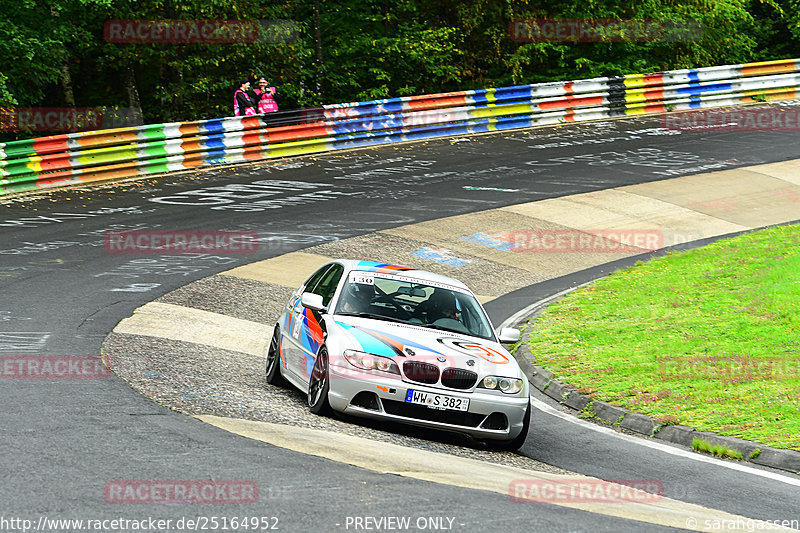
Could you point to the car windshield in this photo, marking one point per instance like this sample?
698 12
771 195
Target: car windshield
388 297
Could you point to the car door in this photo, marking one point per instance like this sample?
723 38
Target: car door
312 330
294 359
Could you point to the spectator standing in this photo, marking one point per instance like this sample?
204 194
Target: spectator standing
243 104
266 96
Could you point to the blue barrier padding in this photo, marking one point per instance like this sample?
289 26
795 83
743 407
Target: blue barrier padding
213 126
519 91
699 89
214 154
480 99
214 141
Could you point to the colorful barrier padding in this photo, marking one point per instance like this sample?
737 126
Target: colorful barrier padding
83 157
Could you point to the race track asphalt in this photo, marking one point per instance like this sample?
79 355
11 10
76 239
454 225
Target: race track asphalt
63 293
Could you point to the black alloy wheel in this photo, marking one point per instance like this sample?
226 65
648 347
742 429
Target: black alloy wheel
273 372
319 385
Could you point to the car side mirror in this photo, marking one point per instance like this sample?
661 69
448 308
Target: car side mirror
312 301
509 335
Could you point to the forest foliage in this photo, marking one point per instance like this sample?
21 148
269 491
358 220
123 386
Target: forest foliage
55 53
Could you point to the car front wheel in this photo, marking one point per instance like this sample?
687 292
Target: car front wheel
319 385
517 442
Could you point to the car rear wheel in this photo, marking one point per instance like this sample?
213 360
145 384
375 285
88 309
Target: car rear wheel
319 385
273 371
517 442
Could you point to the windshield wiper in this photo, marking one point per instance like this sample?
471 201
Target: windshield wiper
443 328
451 330
376 316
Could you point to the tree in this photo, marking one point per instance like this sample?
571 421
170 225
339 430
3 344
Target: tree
55 53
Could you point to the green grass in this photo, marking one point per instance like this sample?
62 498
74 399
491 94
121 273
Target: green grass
708 338
718 450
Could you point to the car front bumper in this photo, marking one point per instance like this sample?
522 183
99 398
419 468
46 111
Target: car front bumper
350 393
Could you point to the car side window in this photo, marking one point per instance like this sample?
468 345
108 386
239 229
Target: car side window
314 279
327 285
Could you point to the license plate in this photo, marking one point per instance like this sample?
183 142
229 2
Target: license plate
437 401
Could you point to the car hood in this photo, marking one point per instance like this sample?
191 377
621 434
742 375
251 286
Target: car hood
411 342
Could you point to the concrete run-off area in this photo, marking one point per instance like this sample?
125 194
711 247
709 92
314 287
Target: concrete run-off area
201 349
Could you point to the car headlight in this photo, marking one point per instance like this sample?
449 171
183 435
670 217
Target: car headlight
368 361
506 385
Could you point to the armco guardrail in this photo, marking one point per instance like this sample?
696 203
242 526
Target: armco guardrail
113 154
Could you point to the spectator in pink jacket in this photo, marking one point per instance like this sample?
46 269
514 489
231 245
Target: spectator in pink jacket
243 104
266 96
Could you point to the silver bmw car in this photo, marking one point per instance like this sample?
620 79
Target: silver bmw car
392 343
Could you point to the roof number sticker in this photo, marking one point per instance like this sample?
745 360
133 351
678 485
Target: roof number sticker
363 278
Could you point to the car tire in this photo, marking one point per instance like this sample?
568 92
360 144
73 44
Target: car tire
517 442
273 371
319 384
